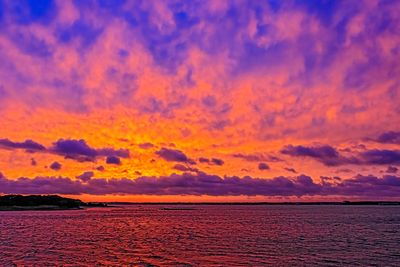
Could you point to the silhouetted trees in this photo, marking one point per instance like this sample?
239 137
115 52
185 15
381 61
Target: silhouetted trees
40 200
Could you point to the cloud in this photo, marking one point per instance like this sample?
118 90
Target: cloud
325 154
314 152
86 176
390 137
183 168
113 160
331 157
173 155
123 153
391 169
41 185
218 162
212 161
256 157
204 160
146 145
69 148
377 156
209 101
55 166
72 148
290 170
27 144
100 168
81 151
205 184
263 166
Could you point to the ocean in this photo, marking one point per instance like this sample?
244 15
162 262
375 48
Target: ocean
203 235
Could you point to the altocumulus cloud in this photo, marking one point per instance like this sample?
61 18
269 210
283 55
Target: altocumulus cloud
204 184
329 156
80 150
55 166
69 148
173 155
325 154
263 166
113 160
390 137
27 144
86 176
212 161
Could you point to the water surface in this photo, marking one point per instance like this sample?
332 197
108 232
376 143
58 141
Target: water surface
204 235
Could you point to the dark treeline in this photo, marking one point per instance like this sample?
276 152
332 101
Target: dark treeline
381 203
40 200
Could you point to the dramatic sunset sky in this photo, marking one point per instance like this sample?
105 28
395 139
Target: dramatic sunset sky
200 100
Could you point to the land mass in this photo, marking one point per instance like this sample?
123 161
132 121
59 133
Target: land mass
344 203
42 202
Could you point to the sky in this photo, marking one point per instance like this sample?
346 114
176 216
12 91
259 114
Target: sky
200 100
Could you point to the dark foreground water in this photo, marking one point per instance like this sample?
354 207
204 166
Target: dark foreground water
206 236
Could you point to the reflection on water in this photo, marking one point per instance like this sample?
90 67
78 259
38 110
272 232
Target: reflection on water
203 236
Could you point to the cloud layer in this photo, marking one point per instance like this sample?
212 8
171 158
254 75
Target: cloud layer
204 184
69 148
331 157
27 144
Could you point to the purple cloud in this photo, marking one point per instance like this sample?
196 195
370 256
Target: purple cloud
314 152
390 137
100 168
391 169
27 144
209 101
123 153
290 170
204 160
69 148
81 151
212 161
172 155
74 148
183 168
113 160
218 162
40 185
263 166
55 166
256 157
331 157
204 184
86 176
325 154
377 156
146 145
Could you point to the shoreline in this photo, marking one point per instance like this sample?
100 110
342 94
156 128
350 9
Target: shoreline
344 203
36 208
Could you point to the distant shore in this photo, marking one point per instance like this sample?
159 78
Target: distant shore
343 203
43 203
